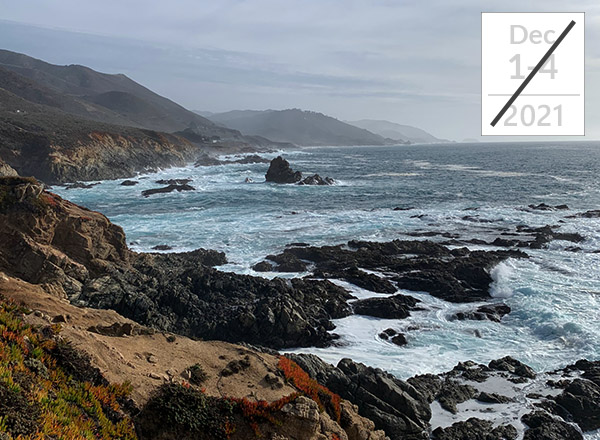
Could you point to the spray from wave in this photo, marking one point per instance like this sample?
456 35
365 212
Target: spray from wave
502 274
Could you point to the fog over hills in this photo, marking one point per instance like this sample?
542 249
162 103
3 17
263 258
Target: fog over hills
397 131
103 97
305 128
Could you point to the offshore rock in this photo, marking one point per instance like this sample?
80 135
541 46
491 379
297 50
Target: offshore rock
280 172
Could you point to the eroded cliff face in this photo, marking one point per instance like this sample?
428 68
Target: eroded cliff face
100 155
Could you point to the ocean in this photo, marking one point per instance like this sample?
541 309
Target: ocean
474 190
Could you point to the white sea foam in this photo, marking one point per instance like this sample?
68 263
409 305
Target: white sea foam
501 274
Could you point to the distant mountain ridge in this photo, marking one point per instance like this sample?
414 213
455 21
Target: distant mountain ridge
395 131
300 127
111 98
67 123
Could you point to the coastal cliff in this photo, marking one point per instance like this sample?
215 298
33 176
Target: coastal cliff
52 253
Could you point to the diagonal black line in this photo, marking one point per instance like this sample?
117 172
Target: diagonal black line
533 72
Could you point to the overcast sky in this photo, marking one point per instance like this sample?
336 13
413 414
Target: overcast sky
413 62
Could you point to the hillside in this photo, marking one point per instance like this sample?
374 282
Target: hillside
299 127
37 140
103 97
397 131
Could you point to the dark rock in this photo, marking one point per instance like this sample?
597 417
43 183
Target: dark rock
280 172
542 426
299 244
588 214
168 189
546 234
366 280
545 207
452 393
478 429
288 262
61 319
491 312
129 182
162 247
399 340
457 275
81 185
503 242
399 208
384 336
315 179
393 405
493 398
390 332
263 266
392 307
541 207
173 181
512 366
581 398
474 219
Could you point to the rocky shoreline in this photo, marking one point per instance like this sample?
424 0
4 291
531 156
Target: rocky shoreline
79 256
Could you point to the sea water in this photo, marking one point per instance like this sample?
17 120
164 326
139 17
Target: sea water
474 190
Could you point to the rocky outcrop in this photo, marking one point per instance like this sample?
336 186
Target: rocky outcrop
80 255
456 275
6 170
393 405
280 172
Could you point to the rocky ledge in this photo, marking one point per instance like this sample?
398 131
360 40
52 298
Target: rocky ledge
503 400
456 275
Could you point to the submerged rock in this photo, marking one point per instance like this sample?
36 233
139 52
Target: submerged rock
129 182
544 207
168 189
173 181
588 214
491 312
